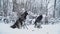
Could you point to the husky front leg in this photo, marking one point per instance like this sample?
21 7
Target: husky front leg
13 26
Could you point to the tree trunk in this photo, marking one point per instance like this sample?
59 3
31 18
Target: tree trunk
54 9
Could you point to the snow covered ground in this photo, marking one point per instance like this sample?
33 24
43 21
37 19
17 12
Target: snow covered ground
47 29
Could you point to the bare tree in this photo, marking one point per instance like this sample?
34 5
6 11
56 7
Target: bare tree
46 18
14 5
0 3
5 7
54 8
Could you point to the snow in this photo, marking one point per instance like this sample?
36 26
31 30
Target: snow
47 29
13 16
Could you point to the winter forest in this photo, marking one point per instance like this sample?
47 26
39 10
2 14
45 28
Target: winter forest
38 16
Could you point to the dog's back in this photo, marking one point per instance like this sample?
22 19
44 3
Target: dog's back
39 18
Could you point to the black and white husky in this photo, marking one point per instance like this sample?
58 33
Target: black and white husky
19 22
38 21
